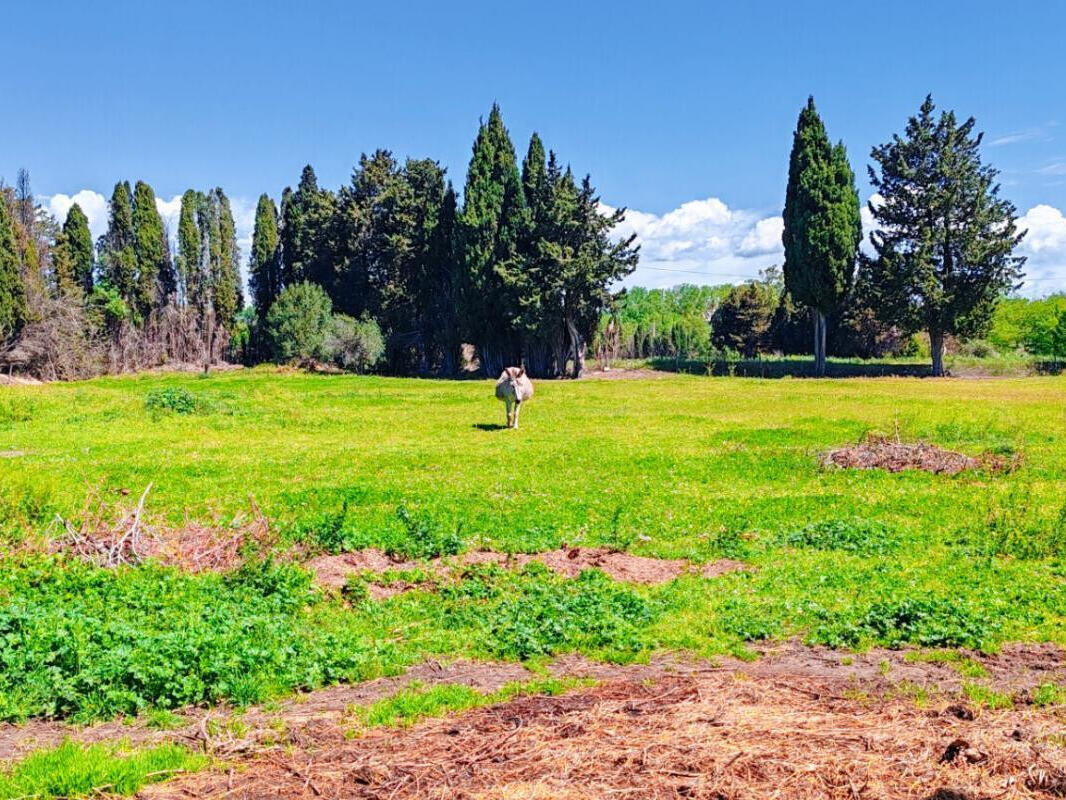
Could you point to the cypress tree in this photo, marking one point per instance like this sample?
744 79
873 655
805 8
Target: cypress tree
225 261
156 281
78 242
117 245
945 239
192 286
12 290
822 227
307 222
492 224
264 267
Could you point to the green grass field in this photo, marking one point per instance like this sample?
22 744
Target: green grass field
683 466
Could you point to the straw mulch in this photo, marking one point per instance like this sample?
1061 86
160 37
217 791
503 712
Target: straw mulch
711 735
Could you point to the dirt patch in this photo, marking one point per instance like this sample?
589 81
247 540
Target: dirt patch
882 452
12 453
335 570
642 373
706 734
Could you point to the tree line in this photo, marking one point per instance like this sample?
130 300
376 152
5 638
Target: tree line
392 266
397 270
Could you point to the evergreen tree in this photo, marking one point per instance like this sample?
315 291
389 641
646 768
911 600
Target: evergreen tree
944 248
306 233
822 227
192 286
156 281
78 242
12 289
264 262
117 255
225 265
492 224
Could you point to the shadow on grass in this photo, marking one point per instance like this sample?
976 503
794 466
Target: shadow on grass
791 368
489 426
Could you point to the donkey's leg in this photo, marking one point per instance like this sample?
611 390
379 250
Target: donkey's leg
508 402
517 408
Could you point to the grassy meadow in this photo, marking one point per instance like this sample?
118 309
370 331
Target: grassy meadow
681 467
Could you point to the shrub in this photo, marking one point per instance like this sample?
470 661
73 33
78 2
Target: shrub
353 344
170 398
742 320
298 321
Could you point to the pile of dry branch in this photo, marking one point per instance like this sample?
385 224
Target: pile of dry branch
889 453
132 539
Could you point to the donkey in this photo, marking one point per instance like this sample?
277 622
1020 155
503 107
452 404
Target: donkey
513 387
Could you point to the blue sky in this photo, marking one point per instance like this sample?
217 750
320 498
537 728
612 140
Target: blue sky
682 112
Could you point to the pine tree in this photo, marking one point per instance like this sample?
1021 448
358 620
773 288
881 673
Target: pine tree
944 248
156 281
116 247
822 227
492 225
78 242
264 262
12 290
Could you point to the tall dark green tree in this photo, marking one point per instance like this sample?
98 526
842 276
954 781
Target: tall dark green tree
116 248
945 239
492 225
307 223
822 227
264 262
78 242
12 290
192 284
225 276
156 279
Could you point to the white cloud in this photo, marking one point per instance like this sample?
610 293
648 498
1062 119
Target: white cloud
92 203
1045 247
170 211
702 241
764 238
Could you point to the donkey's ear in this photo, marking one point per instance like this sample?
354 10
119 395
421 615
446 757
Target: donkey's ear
521 372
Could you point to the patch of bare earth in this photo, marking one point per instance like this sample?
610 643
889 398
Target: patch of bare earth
796 724
335 570
614 374
883 452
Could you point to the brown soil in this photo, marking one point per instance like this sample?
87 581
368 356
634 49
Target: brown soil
797 724
334 571
877 452
614 374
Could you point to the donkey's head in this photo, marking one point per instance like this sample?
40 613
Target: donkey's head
514 377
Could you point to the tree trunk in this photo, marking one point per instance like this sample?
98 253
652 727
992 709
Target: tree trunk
936 345
819 343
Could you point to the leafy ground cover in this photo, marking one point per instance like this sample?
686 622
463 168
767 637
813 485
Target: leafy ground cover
677 467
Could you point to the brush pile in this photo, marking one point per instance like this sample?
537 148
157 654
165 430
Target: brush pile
876 451
132 539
